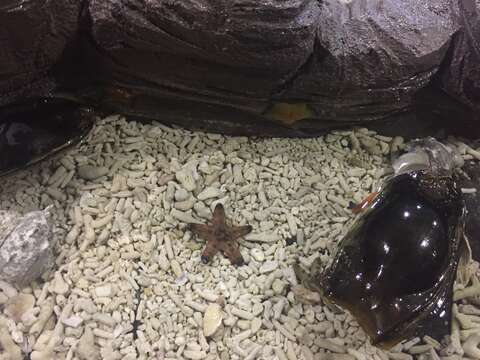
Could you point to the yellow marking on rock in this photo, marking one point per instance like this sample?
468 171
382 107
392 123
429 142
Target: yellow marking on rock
290 113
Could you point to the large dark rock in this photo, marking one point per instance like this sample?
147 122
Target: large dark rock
33 36
275 67
460 74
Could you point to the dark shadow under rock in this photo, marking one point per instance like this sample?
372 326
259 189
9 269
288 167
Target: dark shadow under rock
30 132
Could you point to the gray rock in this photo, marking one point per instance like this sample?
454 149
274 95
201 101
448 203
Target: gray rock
26 244
89 172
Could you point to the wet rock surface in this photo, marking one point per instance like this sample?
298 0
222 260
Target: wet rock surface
29 55
276 68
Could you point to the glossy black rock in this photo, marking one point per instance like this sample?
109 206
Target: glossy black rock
33 131
394 270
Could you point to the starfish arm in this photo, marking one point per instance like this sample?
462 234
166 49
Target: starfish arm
239 231
201 230
209 252
232 252
218 215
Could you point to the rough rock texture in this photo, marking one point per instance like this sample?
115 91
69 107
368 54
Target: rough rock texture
238 52
472 201
345 61
25 246
33 35
270 67
372 57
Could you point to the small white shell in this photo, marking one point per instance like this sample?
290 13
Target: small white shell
185 177
19 305
268 266
209 193
212 319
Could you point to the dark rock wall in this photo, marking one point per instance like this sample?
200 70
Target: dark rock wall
235 52
300 64
373 56
33 36
460 74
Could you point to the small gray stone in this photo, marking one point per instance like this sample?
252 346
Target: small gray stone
86 348
209 193
26 244
202 210
185 177
278 286
268 266
89 172
257 254
181 195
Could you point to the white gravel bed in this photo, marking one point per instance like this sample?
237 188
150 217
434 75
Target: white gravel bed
129 283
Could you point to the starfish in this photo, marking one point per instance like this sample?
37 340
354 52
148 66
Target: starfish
220 237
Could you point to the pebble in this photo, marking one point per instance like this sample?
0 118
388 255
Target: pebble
86 348
329 345
253 354
280 353
284 331
184 217
185 178
26 245
278 286
185 205
3 299
195 355
212 319
268 266
263 237
255 325
89 172
202 210
176 268
181 194
10 350
59 285
103 291
305 295
290 351
242 313
73 321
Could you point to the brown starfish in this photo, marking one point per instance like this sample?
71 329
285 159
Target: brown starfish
220 237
